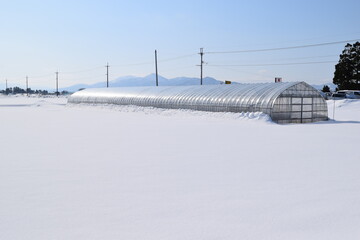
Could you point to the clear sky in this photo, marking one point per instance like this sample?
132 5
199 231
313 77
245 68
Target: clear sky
78 38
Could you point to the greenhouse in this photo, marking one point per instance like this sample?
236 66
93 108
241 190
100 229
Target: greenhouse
295 102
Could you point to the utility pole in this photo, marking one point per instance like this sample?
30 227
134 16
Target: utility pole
156 69
27 86
57 83
107 75
201 65
334 110
6 89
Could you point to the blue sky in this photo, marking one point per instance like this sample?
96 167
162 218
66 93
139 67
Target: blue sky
78 38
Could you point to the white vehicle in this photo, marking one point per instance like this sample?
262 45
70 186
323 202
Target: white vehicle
351 94
338 95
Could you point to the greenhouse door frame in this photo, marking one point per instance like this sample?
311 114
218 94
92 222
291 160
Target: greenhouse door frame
302 108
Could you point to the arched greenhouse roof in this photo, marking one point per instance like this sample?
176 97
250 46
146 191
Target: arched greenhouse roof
258 97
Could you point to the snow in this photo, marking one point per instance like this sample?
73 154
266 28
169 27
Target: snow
124 172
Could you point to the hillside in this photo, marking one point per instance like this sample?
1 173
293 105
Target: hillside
150 80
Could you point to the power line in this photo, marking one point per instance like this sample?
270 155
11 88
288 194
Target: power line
281 42
242 71
164 60
80 71
41 76
176 58
282 59
284 48
324 56
268 64
82 78
298 58
220 65
177 68
133 64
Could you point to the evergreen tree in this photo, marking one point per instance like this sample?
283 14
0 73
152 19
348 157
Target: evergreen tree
326 88
347 71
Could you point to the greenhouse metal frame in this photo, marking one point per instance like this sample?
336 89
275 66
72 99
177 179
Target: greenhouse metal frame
295 102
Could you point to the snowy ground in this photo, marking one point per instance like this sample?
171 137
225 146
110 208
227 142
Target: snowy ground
80 172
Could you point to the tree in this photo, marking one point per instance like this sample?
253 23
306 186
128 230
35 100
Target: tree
347 71
326 88
18 90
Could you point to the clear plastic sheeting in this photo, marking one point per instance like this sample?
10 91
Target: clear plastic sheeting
284 102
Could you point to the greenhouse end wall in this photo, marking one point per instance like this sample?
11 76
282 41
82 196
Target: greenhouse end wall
284 102
300 103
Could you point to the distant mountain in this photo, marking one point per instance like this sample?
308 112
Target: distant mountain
150 80
320 86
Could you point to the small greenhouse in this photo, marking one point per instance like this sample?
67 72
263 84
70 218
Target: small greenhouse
295 102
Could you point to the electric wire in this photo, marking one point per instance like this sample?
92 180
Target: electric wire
37 77
177 68
152 62
246 72
176 58
41 76
297 58
282 48
86 70
131 64
284 59
268 64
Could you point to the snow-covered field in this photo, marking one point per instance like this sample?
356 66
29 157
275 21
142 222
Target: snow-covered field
85 172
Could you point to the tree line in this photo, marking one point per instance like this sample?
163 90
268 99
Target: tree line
18 90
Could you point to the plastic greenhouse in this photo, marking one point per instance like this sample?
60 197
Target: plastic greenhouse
295 102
